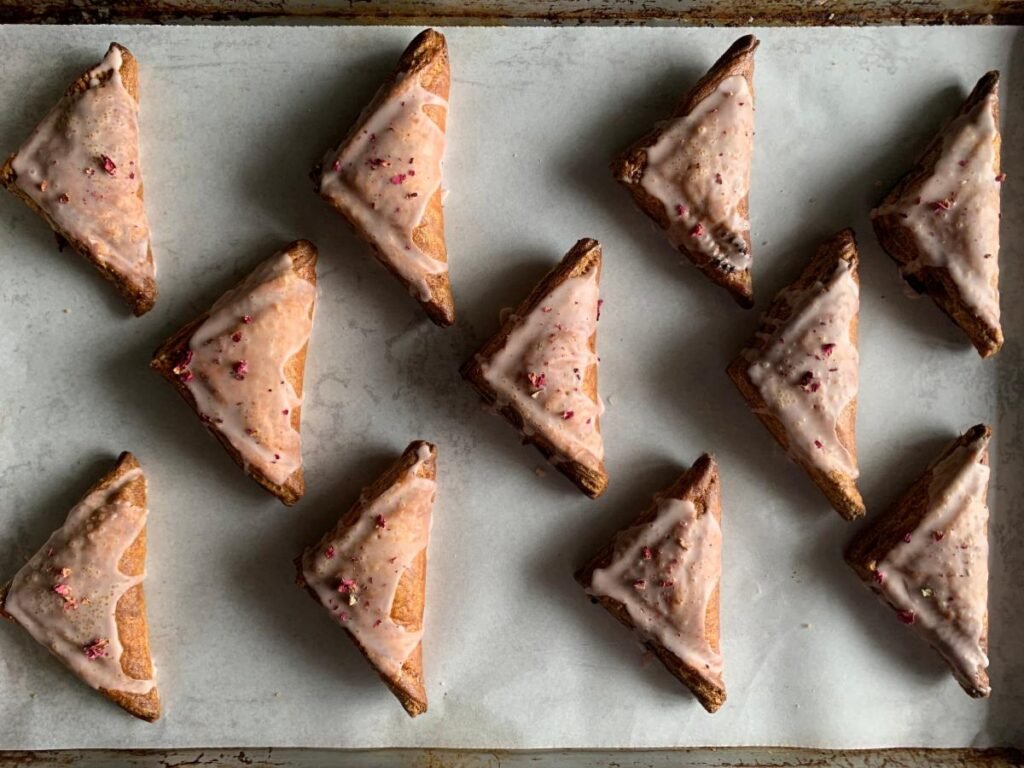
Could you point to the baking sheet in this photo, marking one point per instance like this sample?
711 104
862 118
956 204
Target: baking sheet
515 656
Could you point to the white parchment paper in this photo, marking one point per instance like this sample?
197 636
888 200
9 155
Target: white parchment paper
233 118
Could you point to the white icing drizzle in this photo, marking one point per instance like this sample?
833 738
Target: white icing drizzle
665 573
938 580
954 213
67 594
236 360
807 370
384 176
699 169
81 166
542 368
355 570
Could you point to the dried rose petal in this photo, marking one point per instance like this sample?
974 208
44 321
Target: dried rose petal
398 178
828 349
63 590
108 165
347 586
907 617
96 649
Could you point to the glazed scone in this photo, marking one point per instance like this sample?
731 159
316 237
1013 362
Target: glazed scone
660 577
370 572
691 174
940 223
927 558
539 370
799 373
80 170
81 597
240 366
385 176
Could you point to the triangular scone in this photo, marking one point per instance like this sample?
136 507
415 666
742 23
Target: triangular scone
941 221
799 373
81 595
928 558
539 370
691 174
385 176
370 571
660 577
240 366
80 171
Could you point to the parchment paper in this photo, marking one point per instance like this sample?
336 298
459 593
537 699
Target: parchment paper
233 118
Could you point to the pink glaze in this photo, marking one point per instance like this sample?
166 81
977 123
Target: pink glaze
67 594
81 167
542 367
384 176
665 573
699 169
235 366
807 371
355 570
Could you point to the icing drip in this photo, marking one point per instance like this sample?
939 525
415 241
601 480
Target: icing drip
938 580
954 213
355 570
699 169
665 573
67 594
544 364
81 166
385 175
807 369
236 363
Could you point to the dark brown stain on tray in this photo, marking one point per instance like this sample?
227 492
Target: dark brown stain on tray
490 12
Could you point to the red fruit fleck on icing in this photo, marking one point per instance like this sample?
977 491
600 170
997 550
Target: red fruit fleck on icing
808 383
277 457
640 584
942 205
336 166
697 231
240 369
378 162
1001 178
247 319
537 380
680 210
347 586
666 583
718 178
962 163
344 616
329 552
647 553
376 623
828 349
600 303
97 649
108 165
879 577
380 522
398 178
411 195
907 617
285 411
566 415
131 175
818 444
64 198
236 336
63 590
906 538
937 535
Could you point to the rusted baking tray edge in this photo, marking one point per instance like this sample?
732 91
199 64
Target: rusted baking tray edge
731 757
495 12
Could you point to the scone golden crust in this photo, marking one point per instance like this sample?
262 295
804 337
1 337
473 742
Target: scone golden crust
539 370
245 359
57 190
650 559
940 223
799 373
385 176
124 486
694 183
374 557
927 557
